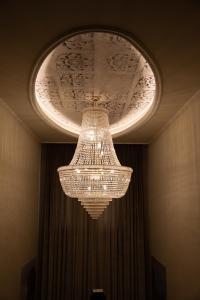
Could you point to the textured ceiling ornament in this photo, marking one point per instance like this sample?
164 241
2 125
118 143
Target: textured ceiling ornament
89 65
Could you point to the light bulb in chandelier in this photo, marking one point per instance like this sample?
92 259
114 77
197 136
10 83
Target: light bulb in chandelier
95 175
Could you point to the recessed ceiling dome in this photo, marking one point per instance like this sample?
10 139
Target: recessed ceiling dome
102 67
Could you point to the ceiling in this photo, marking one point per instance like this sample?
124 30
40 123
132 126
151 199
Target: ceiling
168 32
95 68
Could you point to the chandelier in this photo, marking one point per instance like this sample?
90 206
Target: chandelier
95 175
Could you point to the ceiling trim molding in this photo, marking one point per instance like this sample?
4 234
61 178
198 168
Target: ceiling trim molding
195 97
20 121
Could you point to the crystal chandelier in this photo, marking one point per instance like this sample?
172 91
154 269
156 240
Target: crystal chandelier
95 175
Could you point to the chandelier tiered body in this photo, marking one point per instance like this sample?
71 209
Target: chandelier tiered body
95 175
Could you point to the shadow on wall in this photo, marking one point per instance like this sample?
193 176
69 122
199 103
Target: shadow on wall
98 295
28 278
159 286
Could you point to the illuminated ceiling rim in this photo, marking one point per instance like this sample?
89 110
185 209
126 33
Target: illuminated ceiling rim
115 130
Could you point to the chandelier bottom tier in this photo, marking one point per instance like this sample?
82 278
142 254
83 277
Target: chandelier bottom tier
95 175
95 207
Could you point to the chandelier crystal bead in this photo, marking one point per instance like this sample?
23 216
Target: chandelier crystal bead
95 175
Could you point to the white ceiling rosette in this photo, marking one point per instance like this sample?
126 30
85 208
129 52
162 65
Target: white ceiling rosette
105 68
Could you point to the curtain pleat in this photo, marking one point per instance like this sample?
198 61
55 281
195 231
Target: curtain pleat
77 254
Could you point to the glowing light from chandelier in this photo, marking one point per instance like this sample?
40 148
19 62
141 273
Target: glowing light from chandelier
95 175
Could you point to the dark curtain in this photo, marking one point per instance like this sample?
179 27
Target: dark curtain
78 254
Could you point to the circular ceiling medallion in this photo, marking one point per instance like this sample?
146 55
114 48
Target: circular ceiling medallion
102 68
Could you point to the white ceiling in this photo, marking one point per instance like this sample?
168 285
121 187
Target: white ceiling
169 33
96 68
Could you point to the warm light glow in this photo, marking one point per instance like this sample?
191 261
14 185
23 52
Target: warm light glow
104 178
80 68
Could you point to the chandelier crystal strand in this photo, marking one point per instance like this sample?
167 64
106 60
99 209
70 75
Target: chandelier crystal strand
95 175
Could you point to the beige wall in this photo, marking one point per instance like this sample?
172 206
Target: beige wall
174 192
19 189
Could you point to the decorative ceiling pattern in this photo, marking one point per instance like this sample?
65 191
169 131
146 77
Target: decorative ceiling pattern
95 68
